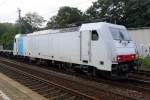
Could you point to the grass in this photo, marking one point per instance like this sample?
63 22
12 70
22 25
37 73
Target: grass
145 62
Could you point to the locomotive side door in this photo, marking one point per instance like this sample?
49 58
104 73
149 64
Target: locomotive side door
85 46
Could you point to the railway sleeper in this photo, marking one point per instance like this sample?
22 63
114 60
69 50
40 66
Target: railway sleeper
28 79
56 95
37 85
24 80
71 98
52 93
31 80
28 84
39 88
68 96
43 91
59 97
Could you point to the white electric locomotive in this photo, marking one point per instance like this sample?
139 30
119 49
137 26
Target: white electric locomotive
93 47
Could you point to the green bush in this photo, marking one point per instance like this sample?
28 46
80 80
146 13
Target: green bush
145 62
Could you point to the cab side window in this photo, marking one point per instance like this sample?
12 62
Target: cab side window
95 35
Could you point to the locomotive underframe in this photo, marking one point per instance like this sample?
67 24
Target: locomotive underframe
121 70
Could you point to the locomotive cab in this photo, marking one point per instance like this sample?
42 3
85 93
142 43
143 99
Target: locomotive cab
111 49
124 58
121 50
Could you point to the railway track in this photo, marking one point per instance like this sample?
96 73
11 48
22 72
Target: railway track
97 93
140 75
50 90
142 72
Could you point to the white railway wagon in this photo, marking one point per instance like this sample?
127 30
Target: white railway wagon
103 46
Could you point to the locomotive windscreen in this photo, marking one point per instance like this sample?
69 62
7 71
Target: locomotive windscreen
120 34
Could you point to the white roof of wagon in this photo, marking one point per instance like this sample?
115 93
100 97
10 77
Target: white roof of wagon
20 35
43 32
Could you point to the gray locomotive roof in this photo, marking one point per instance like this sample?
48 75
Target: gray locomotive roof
72 29
86 26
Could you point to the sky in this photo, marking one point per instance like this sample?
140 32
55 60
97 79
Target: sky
45 8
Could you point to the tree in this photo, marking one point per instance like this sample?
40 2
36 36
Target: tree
66 15
137 13
131 13
5 27
30 22
110 10
7 34
7 40
52 23
24 27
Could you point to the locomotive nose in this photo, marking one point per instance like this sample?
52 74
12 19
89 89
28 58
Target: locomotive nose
125 50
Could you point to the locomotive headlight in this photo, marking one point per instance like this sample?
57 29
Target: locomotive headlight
133 56
118 58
